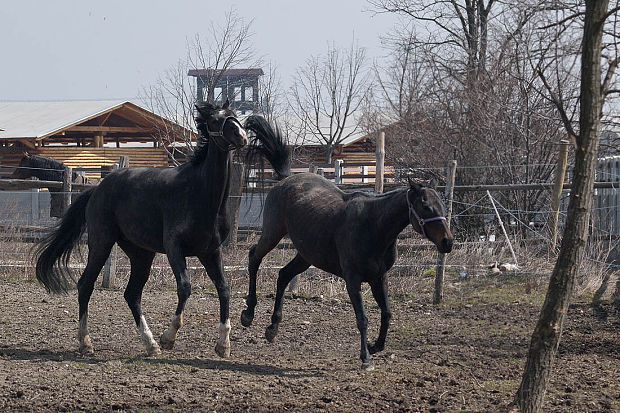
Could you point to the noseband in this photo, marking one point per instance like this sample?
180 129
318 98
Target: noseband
218 136
421 221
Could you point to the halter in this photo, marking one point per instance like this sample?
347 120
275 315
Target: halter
418 219
219 135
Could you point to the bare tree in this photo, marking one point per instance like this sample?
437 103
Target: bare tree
173 95
594 87
327 92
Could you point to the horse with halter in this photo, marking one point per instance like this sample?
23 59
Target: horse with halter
177 211
351 235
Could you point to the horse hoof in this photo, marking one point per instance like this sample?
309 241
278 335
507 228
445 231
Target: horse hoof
374 349
86 349
153 351
222 350
246 318
166 343
271 332
368 366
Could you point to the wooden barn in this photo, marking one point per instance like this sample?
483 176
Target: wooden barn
87 134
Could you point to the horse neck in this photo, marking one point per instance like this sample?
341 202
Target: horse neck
393 214
215 174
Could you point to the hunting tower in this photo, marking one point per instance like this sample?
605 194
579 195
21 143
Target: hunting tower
239 86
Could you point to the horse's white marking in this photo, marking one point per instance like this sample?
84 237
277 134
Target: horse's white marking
170 335
83 337
224 330
147 337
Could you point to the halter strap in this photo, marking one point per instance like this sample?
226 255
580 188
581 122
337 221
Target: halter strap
419 220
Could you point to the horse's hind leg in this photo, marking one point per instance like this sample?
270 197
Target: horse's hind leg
213 265
179 268
268 241
97 255
380 292
141 261
290 270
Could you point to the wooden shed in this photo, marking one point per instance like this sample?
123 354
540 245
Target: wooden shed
87 134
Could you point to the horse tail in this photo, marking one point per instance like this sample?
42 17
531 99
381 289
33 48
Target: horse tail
54 250
268 143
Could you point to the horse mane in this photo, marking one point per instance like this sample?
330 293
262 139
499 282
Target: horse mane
202 144
44 168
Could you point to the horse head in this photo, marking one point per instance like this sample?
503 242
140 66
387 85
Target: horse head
23 171
221 125
427 216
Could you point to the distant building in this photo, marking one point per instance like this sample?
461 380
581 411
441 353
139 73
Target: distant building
239 86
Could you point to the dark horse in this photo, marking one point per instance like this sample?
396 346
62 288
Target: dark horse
177 211
351 235
46 169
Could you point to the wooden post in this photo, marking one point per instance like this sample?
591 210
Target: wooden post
441 258
380 155
558 186
338 172
237 180
364 171
109 269
66 189
501 224
34 205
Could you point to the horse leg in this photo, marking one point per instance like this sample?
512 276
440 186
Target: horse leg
179 268
380 292
97 255
141 261
213 265
266 243
286 274
354 288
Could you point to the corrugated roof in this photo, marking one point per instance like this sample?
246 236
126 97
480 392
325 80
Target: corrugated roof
40 119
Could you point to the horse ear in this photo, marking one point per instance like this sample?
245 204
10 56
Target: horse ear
226 104
433 183
204 108
414 185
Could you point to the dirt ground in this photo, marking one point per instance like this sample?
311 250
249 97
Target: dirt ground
465 355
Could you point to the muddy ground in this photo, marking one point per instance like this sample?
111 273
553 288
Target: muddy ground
467 354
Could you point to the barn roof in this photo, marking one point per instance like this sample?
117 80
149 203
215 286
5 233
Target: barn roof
40 120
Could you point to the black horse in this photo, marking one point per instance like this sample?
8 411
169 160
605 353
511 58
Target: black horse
46 169
177 211
42 167
351 235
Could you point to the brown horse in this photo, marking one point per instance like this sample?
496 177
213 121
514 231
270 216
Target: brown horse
351 235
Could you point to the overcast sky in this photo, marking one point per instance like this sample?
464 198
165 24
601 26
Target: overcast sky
65 50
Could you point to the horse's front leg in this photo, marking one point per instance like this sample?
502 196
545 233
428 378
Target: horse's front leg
354 287
213 264
179 268
380 292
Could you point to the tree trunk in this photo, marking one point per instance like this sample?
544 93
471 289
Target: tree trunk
548 331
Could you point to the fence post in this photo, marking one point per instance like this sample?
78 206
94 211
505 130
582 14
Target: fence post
558 185
364 171
441 258
66 189
34 205
338 172
109 269
234 202
380 162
